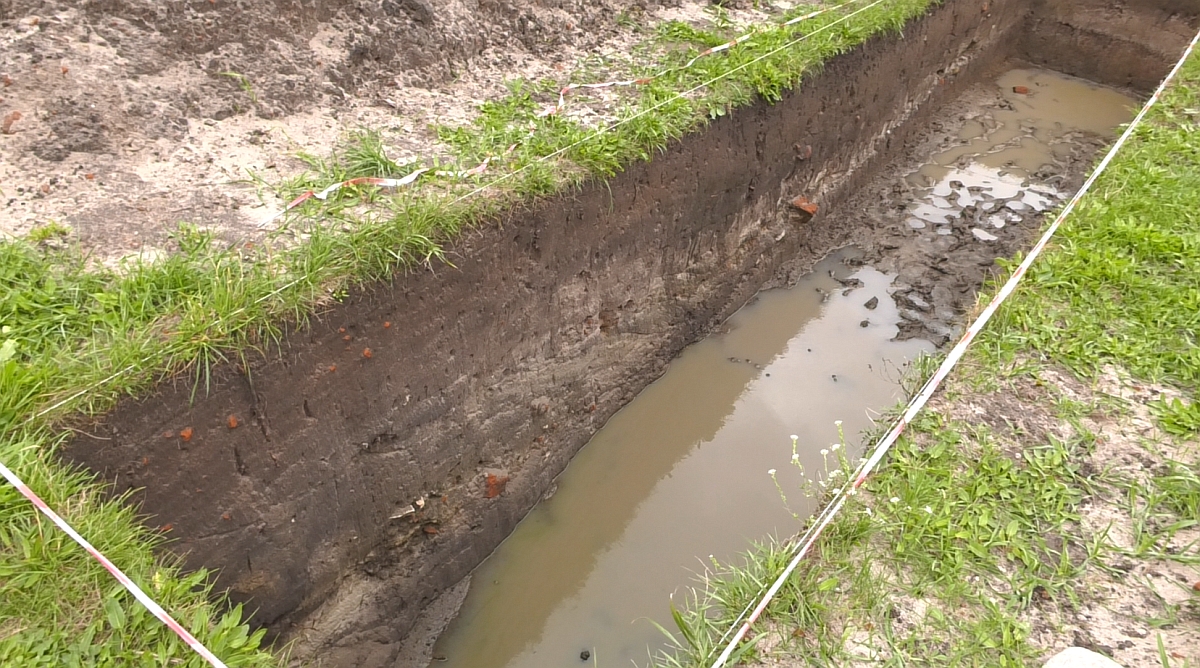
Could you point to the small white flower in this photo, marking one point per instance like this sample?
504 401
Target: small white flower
835 446
796 457
853 491
894 499
824 452
821 483
837 422
869 513
929 510
770 471
795 437
835 473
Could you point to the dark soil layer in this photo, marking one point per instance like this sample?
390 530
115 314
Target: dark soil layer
413 393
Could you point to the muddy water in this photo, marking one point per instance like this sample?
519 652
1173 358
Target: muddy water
1000 157
681 473
1002 168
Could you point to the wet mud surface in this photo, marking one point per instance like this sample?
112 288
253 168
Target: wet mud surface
999 158
360 489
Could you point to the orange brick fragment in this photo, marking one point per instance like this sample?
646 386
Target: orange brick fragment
367 353
1021 90
186 434
7 123
232 422
806 206
496 482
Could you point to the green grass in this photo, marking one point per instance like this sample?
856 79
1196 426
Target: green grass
75 338
982 528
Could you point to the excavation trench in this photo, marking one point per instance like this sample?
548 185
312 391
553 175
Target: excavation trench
358 490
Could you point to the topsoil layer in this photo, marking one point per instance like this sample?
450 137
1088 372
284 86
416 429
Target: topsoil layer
359 486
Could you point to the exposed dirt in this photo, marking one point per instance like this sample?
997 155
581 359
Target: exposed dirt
139 114
356 489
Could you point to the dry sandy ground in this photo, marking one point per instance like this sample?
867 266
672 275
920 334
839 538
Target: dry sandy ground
125 117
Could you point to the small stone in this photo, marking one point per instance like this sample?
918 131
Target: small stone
1021 90
864 323
916 301
872 303
983 236
1078 657
585 655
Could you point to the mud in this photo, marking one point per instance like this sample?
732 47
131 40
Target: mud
999 160
549 323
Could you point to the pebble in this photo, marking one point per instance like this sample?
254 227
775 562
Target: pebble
983 236
1078 657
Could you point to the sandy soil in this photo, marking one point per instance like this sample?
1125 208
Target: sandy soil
126 117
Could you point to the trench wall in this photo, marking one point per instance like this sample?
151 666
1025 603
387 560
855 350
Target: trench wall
550 322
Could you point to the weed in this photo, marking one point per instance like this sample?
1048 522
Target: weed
244 83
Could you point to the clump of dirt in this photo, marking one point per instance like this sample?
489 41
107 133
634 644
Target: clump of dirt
155 112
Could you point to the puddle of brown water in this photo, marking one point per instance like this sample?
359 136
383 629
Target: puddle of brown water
997 168
681 474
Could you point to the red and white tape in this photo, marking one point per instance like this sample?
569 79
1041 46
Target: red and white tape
360 181
809 538
154 608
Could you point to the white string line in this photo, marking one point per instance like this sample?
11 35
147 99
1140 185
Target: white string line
918 402
753 30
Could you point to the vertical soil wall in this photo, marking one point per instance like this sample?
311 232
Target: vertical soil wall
356 488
